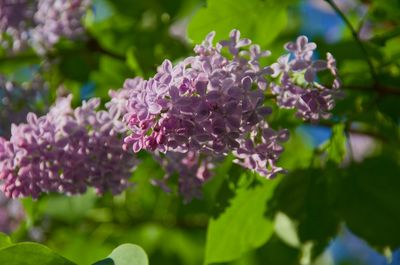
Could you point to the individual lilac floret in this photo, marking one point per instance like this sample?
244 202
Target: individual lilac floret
57 19
65 151
15 20
297 87
208 104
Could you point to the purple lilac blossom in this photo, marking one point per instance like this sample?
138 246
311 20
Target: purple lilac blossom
15 20
57 19
65 151
208 104
41 23
297 86
193 172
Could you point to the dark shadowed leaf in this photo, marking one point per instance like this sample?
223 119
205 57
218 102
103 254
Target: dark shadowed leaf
370 200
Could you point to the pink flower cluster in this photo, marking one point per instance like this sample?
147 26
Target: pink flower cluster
40 23
297 87
65 151
210 104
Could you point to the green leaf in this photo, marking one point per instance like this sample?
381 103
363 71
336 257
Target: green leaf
5 240
285 229
369 201
307 197
276 252
242 227
260 20
31 254
106 261
132 61
337 144
390 107
125 254
383 38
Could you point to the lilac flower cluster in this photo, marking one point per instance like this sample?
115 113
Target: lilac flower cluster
15 19
192 170
58 18
17 99
40 23
297 87
65 151
208 104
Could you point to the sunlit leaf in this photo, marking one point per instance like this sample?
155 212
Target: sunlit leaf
337 144
31 254
242 226
126 254
222 16
5 240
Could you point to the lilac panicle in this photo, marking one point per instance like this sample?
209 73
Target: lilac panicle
65 151
193 172
55 19
297 87
208 104
40 23
15 20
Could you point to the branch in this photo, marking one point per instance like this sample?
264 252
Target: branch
385 90
356 38
94 45
19 57
91 44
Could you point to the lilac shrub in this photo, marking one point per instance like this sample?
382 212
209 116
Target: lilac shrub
65 151
188 116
